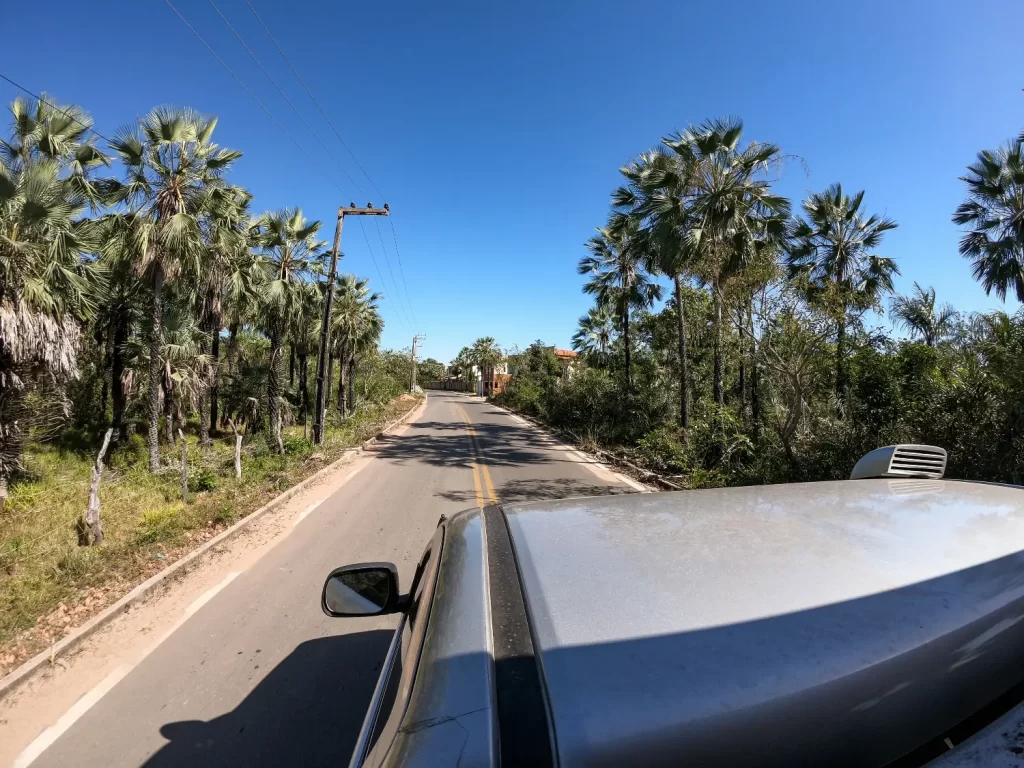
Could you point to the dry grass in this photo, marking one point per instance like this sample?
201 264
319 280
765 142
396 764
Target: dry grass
48 583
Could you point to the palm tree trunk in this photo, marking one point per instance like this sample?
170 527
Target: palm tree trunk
120 334
304 384
755 376
684 369
341 390
330 376
215 371
352 384
108 349
274 385
626 341
168 386
718 383
291 365
840 359
154 367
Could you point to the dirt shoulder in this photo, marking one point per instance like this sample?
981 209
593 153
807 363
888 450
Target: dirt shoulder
47 597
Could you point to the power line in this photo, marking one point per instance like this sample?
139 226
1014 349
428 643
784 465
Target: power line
405 318
313 99
319 140
398 255
252 95
283 94
63 111
344 143
261 105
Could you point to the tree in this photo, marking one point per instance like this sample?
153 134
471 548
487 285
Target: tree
485 354
430 370
656 195
288 247
617 279
994 213
831 257
170 165
919 315
46 289
356 326
732 216
594 334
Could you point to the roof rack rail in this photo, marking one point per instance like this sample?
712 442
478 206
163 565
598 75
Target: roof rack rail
907 460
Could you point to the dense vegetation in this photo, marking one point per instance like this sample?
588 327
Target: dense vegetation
762 365
139 293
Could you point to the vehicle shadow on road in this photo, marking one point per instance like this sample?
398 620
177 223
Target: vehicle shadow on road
307 711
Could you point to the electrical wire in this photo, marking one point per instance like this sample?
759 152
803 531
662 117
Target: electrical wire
64 111
283 94
405 317
269 114
294 109
253 96
344 143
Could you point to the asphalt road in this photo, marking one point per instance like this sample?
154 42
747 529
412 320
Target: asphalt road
258 675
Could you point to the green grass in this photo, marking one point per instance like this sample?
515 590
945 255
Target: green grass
144 517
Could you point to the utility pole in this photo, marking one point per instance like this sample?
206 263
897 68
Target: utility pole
415 340
320 411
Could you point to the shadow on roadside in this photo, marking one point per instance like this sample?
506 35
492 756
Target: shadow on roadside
307 711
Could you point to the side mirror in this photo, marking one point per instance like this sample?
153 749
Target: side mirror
364 589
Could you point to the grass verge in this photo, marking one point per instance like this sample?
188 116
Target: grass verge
49 584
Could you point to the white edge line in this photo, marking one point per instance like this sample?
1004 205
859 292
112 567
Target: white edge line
44 740
590 462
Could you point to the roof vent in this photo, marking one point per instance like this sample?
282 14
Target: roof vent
927 461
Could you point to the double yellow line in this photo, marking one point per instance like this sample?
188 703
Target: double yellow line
481 474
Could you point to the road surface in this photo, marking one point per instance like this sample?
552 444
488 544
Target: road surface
258 675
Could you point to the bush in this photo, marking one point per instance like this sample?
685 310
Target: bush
202 479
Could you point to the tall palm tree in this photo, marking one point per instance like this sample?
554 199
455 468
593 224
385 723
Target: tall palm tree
994 214
289 248
617 278
919 315
230 276
831 258
46 288
656 195
356 324
303 333
594 334
732 216
170 164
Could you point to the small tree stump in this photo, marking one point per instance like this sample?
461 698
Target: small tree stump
90 523
238 450
184 466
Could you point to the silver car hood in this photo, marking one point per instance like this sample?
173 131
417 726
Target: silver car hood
819 622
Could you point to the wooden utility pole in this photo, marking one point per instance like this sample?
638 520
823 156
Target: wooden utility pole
320 412
415 340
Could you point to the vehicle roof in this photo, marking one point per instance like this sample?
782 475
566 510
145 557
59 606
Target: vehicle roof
679 608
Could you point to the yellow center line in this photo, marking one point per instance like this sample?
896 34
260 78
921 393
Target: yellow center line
480 470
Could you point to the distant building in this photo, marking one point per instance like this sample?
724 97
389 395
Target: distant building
567 359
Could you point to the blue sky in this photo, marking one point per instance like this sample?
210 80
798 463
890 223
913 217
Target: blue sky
496 130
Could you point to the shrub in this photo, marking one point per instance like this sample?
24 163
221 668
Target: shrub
203 479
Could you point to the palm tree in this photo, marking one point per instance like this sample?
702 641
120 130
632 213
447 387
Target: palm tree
656 195
731 216
170 165
919 315
289 247
617 278
303 333
356 324
230 276
994 214
46 289
831 258
594 335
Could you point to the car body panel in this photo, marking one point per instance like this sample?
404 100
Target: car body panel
840 622
449 717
